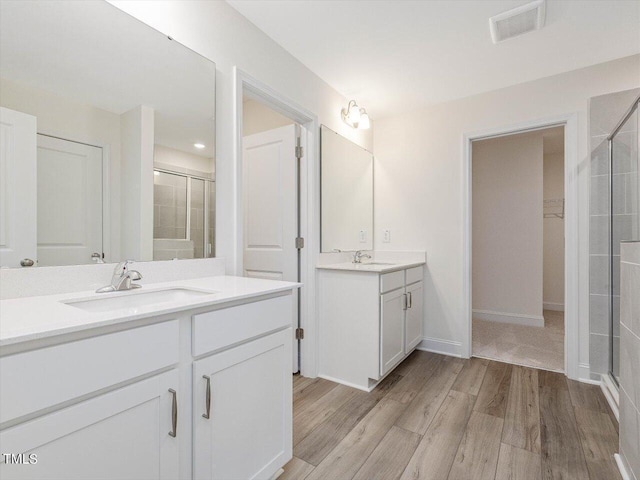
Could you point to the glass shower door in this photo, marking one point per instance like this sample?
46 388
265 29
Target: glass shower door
625 217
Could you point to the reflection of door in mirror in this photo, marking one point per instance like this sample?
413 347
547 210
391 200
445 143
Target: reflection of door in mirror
17 187
51 197
69 196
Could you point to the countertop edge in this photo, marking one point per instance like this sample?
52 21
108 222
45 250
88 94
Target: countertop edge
382 268
16 337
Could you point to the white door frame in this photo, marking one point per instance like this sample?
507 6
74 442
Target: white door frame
246 85
571 245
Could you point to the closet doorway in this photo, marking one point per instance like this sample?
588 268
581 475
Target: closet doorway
517 250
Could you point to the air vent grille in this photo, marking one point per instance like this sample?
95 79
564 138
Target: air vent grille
520 20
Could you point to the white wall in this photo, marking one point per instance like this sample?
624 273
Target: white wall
137 128
182 160
507 176
60 117
553 264
418 181
257 118
220 33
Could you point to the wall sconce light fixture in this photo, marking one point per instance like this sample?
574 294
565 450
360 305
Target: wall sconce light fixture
356 116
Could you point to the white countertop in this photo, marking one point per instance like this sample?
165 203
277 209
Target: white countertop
31 318
371 267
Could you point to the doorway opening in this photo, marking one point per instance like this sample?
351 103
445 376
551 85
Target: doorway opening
518 248
276 167
271 159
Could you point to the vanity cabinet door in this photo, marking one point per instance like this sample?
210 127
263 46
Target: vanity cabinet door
243 410
123 434
413 317
392 310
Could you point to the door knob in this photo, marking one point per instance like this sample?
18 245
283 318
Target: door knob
96 257
27 262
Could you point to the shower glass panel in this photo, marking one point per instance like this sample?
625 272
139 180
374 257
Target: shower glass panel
211 219
169 206
184 216
624 215
197 217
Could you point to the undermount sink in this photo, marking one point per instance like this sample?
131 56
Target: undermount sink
133 300
377 263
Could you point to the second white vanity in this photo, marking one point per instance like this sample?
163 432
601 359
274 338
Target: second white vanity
370 319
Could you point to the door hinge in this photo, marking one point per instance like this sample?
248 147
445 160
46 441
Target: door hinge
299 151
299 333
299 243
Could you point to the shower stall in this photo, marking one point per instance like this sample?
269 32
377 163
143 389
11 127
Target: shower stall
624 215
184 214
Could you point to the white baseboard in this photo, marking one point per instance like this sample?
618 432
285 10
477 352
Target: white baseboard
344 382
611 394
513 318
584 374
621 466
439 345
556 307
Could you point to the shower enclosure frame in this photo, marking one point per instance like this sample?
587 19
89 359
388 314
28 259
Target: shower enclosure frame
610 139
209 247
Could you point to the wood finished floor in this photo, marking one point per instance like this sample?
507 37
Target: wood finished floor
438 418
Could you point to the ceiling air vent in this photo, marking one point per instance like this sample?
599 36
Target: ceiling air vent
522 19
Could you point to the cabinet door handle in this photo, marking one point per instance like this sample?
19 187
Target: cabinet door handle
404 301
207 397
174 413
410 300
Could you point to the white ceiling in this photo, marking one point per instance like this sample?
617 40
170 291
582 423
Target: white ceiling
394 55
93 53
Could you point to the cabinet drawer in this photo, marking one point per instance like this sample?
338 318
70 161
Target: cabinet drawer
222 328
391 281
32 381
414 275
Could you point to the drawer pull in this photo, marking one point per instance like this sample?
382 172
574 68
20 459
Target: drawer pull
208 397
174 413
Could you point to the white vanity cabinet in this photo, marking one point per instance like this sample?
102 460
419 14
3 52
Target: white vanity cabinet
401 316
369 321
206 394
123 434
96 438
414 316
242 410
392 329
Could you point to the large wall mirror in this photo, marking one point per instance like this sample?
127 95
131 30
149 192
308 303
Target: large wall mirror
346 194
107 138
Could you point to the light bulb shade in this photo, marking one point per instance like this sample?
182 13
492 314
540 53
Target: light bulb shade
364 123
354 115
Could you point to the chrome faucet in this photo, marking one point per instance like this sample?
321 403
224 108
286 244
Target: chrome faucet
121 279
358 256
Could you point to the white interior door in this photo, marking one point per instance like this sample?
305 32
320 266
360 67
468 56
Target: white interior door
271 210
69 202
18 187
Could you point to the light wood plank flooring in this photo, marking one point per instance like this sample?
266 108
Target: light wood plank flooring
438 418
